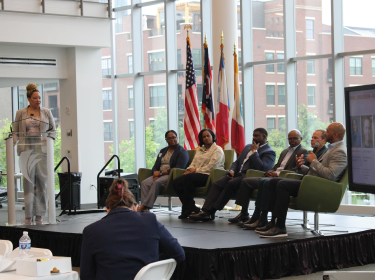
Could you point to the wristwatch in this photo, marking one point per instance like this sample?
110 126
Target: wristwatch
161 173
254 151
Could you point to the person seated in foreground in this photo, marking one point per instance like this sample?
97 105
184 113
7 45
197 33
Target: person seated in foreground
286 162
258 156
330 166
208 156
124 241
172 156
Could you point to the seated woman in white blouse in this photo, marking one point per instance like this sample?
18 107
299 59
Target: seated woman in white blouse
208 156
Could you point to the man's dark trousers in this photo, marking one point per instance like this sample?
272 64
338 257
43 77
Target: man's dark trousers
280 190
221 192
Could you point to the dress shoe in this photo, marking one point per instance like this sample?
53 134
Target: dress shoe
239 218
202 216
274 232
142 208
195 211
254 225
249 221
265 228
183 216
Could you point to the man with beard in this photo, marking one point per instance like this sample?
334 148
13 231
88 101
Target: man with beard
258 156
330 166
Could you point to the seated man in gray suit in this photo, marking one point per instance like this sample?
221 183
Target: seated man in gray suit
331 166
286 162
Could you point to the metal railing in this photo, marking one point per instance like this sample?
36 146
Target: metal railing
76 8
65 186
98 179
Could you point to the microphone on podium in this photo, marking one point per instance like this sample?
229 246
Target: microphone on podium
317 145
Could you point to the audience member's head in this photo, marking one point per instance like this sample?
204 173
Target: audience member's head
204 131
120 196
294 138
318 139
260 135
335 132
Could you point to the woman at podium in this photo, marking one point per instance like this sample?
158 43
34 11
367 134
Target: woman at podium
172 156
28 125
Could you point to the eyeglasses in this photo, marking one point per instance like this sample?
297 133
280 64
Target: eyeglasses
293 138
170 138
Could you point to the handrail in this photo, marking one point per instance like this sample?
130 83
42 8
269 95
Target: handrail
70 183
97 178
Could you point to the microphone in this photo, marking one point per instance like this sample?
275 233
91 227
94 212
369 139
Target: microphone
31 117
317 145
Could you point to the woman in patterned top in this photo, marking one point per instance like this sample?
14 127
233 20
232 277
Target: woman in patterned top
173 156
31 122
208 156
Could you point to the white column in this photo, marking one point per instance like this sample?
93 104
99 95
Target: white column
82 111
224 19
51 182
171 63
338 80
247 72
10 181
138 87
290 66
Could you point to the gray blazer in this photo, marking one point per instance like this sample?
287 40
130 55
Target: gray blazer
331 165
291 164
19 125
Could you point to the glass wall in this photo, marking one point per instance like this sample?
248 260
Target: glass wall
269 94
153 25
311 96
155 116
313 27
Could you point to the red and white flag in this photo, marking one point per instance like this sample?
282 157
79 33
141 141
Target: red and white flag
192 125
223 105
208 109
237 131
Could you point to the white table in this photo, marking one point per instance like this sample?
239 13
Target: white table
65 276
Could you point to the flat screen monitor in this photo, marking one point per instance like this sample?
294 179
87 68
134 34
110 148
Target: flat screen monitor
360 116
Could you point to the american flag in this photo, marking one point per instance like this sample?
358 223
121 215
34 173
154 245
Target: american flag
192 125
208 109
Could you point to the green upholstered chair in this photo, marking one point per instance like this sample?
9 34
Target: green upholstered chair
215 174
167 191
318 195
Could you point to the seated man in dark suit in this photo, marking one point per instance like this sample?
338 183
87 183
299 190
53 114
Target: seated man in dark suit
286 162
331 166
258 156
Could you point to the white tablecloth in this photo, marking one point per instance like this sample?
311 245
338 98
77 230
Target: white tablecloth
13 276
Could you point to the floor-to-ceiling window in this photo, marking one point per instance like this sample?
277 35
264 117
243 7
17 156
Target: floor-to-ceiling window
287 90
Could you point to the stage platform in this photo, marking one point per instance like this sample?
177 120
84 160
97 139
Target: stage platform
219 250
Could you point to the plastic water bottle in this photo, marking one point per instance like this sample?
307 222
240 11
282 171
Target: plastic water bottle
25 244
